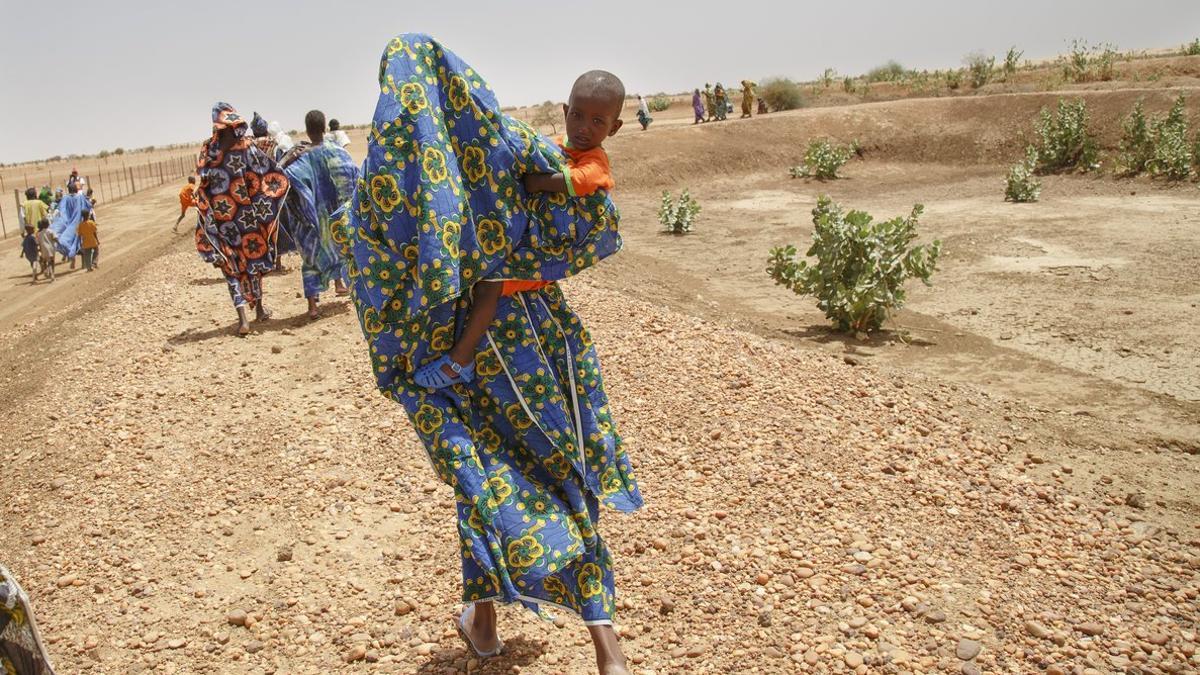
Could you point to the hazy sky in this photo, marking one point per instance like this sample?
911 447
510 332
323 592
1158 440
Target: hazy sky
79 77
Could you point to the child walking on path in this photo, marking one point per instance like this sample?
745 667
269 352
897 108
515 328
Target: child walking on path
187 199
528 443
89 241
47 246
29 249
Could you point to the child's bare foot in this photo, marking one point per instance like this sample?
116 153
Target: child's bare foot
340 288
313 312
261 313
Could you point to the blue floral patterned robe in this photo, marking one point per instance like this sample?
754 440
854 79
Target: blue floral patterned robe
529 447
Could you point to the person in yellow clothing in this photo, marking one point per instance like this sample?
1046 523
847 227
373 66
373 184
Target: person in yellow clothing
747 98
34 208
89 241
187 199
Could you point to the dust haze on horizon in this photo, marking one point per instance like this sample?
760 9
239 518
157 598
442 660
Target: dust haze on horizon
81 77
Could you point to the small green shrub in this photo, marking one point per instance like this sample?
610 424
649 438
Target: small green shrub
1192 48
1137 147
781 93
888 72
823 160
1012 61
1173 155
827 77
848 85
1087 63
861 265
1022 184
659 103
980 67
1064 142
678 216
119 151
953 78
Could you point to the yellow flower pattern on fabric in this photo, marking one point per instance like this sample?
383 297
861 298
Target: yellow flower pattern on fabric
434 165
492 238
474 163
459 93
590 579
384 192
428 419
524 552
412 97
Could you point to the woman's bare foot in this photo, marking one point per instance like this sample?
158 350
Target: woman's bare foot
610 660
243 323
339 288
261 313
481 627
313 312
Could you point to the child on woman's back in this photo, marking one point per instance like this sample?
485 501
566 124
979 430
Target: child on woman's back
592 113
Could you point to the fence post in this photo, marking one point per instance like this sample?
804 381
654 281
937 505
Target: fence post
17 201
161 180
129 172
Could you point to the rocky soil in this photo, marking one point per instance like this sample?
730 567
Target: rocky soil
179 500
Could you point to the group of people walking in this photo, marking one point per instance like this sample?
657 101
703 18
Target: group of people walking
61 225
261 195
713 103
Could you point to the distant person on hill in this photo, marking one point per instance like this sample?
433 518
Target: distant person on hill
698 107
187 199
89 241
643 113
721 103
762 106
336 134
29 249
747 98
241 193
709 105
47 246
34 208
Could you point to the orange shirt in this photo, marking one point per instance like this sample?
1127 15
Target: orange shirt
87 234
187 196
586 170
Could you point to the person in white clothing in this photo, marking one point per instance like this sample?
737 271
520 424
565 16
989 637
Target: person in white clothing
336 135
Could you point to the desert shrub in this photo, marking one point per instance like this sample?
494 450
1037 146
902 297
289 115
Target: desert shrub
1136 147
659 103
1173 155
953 78
861 265
848 85
678 216
980 67
1012 61
822 160
1086 63
102 154
119 151
888 72
1022 184
547 114
1192 48
1064 142
781 93
826 79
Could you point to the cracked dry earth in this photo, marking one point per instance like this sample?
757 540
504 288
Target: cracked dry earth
179 500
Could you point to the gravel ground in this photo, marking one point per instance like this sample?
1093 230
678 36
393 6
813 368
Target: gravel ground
180 500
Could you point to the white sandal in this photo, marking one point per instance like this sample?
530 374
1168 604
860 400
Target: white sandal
461 625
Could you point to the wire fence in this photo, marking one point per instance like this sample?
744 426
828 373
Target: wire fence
107 184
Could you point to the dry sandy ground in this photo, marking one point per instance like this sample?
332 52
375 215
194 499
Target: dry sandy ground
958 504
